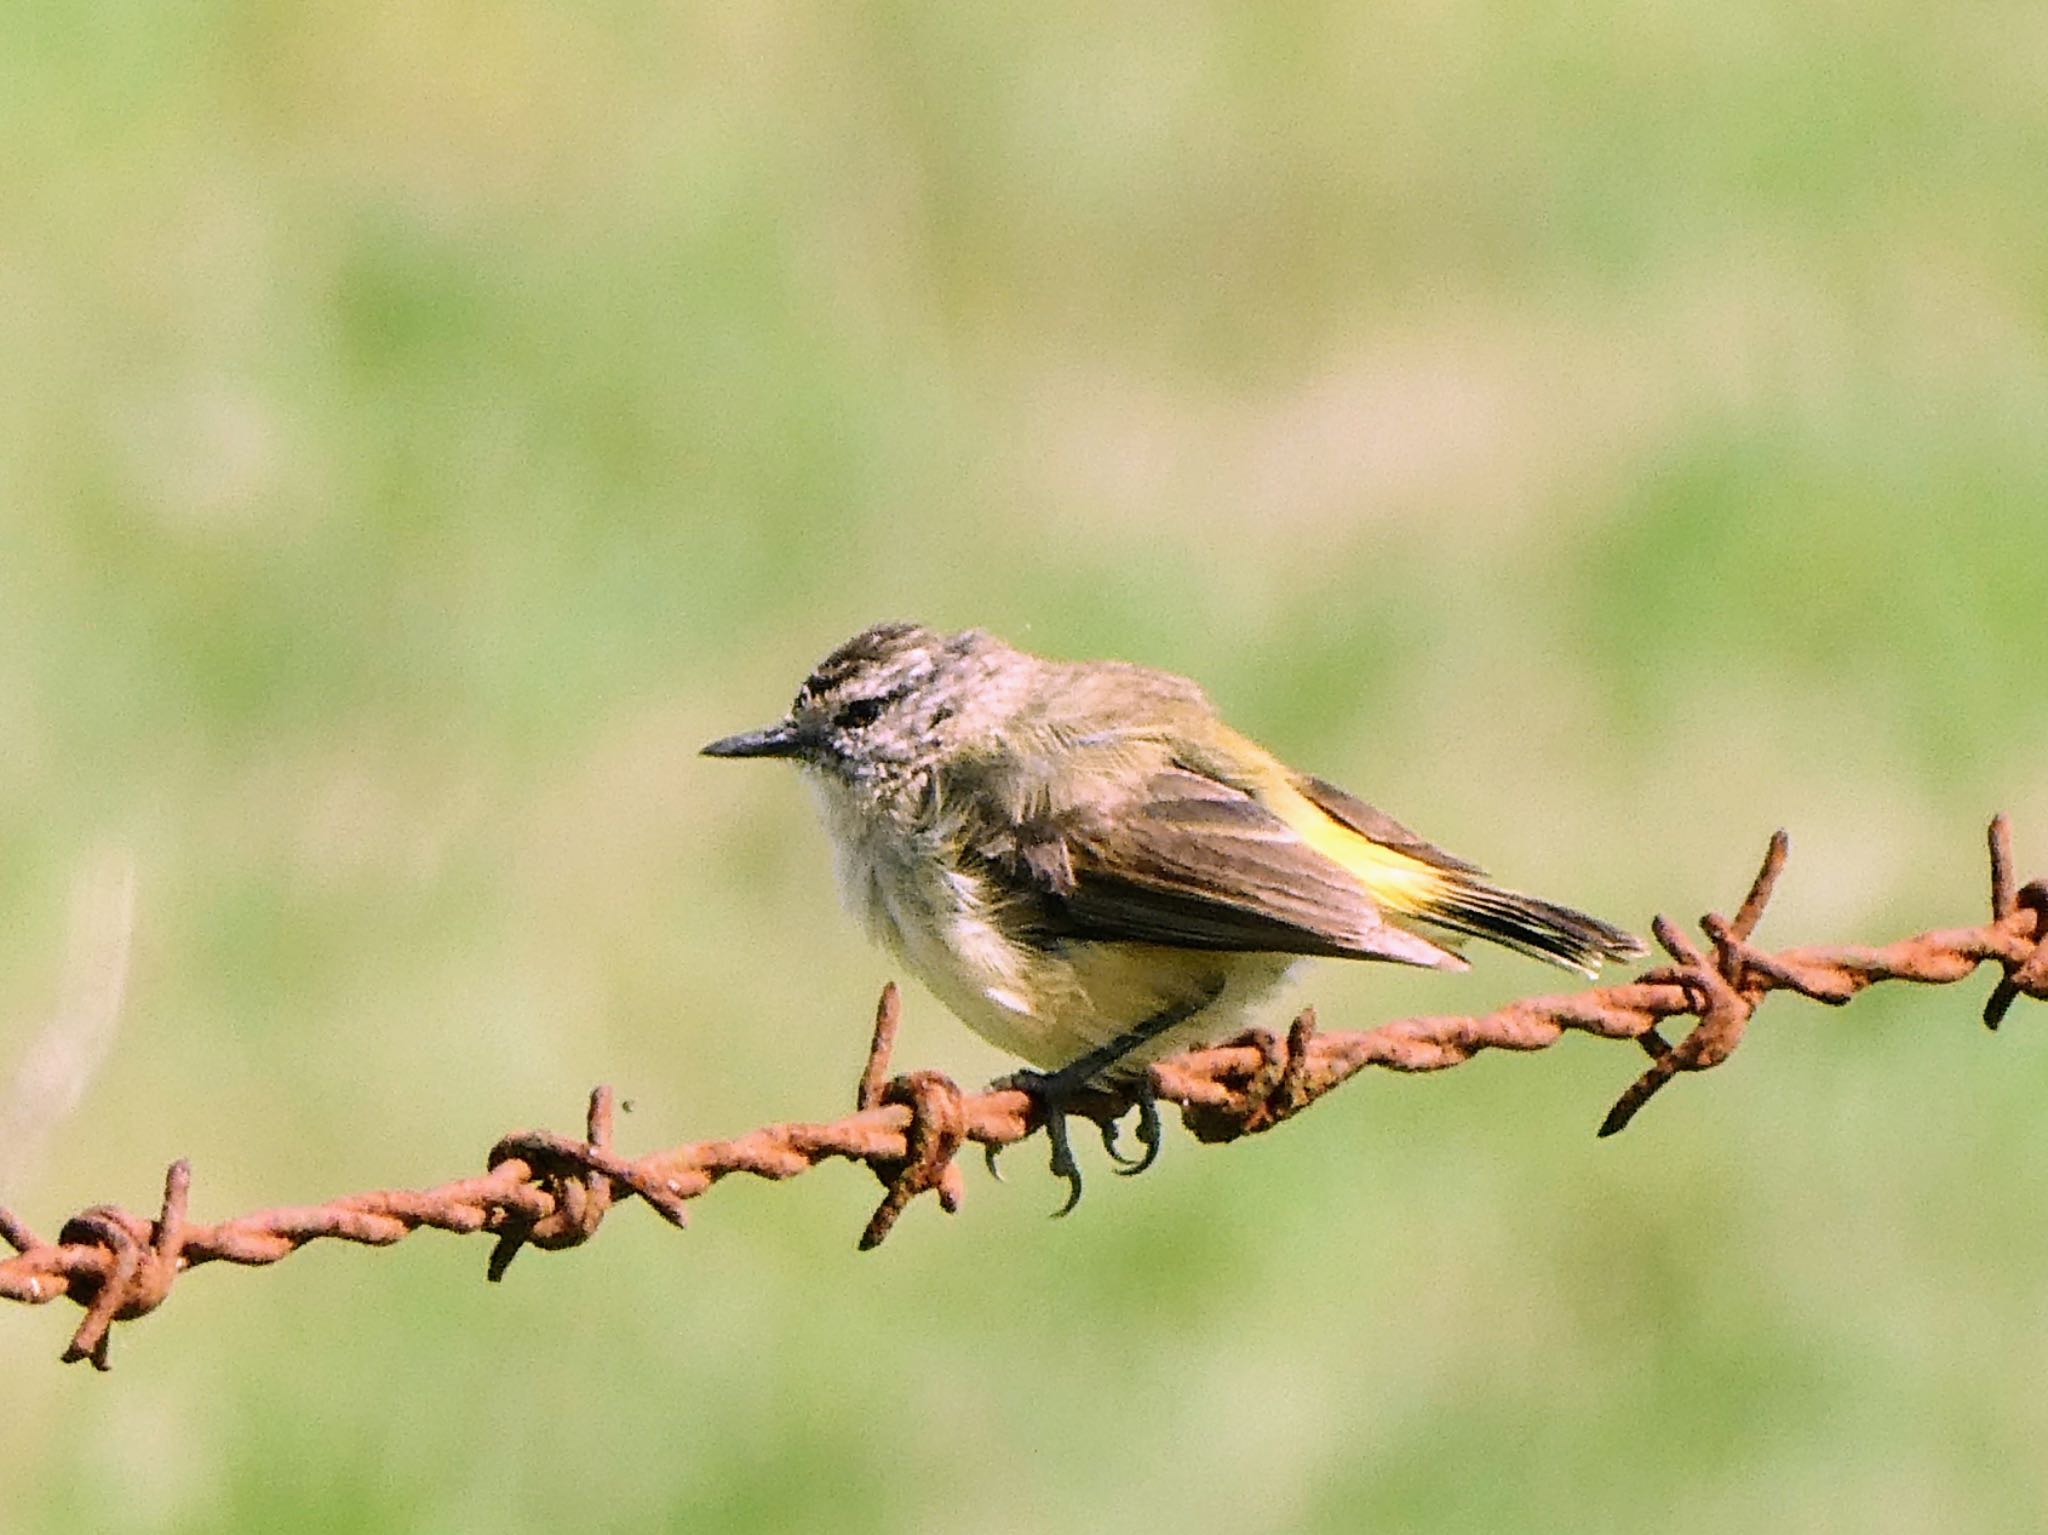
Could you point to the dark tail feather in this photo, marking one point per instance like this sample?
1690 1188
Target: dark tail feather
1530 926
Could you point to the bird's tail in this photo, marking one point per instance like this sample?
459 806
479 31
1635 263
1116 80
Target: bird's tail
1417 883
1469 906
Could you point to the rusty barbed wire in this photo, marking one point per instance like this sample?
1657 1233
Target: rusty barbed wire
547 1190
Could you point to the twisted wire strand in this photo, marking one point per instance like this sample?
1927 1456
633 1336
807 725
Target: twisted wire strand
548 1190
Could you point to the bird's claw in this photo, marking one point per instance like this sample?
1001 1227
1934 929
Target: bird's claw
1052 1093
1063 1163
1050 1090
1149 1135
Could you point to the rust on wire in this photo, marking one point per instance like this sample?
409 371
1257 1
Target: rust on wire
543 1189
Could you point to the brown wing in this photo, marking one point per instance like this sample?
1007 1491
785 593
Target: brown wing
1196 864
1377 826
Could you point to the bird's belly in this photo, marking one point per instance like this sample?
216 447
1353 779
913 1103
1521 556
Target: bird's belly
1046 1005
1117 987
1051 1007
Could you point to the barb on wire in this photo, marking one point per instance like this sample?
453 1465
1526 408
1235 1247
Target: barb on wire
542 1189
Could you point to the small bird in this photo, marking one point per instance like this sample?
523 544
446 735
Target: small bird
1093 871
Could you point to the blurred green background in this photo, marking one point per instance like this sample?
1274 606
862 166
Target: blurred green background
1599 436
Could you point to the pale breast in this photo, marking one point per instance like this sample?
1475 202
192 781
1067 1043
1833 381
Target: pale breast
1046 1005
901 886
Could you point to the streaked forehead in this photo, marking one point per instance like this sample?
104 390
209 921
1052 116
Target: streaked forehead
878 649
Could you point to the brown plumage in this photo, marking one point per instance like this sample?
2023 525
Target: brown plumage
1065 850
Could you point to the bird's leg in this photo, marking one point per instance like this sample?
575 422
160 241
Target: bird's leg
1055 1091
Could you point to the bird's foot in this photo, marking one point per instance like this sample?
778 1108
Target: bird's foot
1056 1091
1053 1092
1149 1133
1056 1094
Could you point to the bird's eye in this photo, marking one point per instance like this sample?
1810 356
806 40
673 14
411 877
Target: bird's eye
860 712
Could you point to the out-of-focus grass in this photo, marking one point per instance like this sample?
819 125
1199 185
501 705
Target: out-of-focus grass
1600 438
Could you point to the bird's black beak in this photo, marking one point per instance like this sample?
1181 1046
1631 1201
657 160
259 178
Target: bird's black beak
778 740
